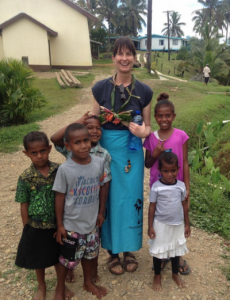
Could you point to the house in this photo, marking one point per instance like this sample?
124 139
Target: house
159 42
45 33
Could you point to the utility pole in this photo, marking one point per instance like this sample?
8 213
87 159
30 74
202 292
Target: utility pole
168 12
149 35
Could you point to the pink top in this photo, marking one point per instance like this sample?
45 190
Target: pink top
175 142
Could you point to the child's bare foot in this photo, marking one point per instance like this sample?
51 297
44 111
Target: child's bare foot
98 291
41 293
96 279
157 283
70 277
181 283
68 293
59 294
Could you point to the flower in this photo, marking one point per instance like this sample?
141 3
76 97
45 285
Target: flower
116 121
109 117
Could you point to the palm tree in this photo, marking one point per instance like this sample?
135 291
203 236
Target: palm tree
174 26
199 20
214 12
107 11
133 11
226 5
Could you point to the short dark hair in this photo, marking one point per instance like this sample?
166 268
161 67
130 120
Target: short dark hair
73 127
169 158
93 117
162 101
124 42
35 136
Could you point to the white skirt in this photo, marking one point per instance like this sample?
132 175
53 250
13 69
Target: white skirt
169 241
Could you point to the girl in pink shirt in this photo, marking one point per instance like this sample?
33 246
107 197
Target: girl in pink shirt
171 139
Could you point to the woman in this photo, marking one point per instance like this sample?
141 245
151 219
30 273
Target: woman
122 231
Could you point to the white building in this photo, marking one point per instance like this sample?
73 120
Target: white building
160 43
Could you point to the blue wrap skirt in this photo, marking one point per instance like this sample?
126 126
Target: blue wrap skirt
122 230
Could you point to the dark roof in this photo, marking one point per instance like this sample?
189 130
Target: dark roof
95 42
24 15
80 10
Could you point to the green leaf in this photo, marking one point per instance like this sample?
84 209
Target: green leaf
216 194
209 163
199 127
209 137
215 177
226 182
195 161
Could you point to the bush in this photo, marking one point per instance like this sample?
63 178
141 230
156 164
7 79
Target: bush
183 54
18 97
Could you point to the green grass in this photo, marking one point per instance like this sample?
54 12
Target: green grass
58 100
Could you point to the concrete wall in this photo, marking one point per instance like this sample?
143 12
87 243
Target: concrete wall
1 48
24 38
156 46
72 46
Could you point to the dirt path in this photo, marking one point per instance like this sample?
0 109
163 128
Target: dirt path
205 282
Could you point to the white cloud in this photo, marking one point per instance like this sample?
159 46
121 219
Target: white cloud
185 9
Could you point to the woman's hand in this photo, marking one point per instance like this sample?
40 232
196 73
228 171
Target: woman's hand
140 131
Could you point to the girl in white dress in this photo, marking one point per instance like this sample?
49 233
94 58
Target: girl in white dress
168 219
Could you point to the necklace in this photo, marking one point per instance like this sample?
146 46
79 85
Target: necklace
129 92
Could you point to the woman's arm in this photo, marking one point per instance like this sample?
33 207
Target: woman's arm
24 213
145 129
186 171
96 107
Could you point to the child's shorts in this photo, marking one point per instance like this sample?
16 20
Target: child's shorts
78 246
37 248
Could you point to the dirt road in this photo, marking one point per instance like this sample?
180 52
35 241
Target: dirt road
205 282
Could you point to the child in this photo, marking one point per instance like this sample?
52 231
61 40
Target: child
80 206
168 211
93 125
168 137
37 248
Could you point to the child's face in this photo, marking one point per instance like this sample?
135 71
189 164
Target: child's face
169 173
38 152
79 143
164 117
94 128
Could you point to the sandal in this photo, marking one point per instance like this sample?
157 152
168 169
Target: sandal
188 271
111 264
129 261
165 262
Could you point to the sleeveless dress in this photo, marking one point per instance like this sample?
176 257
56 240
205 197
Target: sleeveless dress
122 230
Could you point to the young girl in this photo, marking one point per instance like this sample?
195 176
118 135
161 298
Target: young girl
168 211
168 137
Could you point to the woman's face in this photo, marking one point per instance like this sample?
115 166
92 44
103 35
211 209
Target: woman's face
124 60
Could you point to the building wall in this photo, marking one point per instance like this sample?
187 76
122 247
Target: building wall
156 46
1 48
72 45
24 38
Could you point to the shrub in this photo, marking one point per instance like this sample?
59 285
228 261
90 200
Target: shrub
18 97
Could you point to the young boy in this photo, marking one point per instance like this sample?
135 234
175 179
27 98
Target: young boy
93 125
80 207
37 248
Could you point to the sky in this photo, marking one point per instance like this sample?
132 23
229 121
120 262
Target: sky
183 7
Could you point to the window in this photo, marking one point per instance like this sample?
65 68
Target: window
175 42
161 42
25 59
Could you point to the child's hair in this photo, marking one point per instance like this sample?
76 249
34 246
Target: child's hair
163 96
163 100
35 136
124 42
93 117
73 127
169 158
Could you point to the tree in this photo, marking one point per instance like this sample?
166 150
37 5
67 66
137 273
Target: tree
133 11
226 4
174 26
90 6
199 20
99 36
107 11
